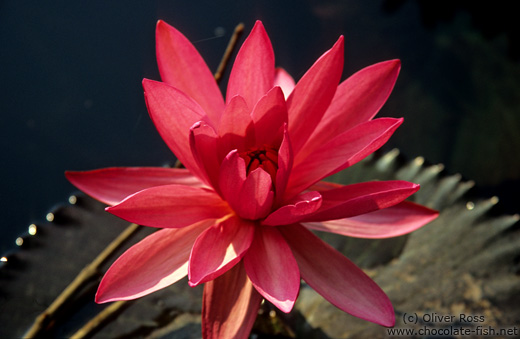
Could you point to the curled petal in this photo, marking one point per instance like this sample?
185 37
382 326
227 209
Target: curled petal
155 262
272 268
182 67
284 80
341 152
230 305
303 205
252 74
393 221
357 199
218 248
336 278
232 177
313 93
173 114
285 163
111 185
171 206
357 100
203 143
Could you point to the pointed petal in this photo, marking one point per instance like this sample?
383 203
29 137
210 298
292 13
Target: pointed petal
155 262
357 100
252 74
269 116
171 206
256 196
203 144
219 248
336 278
173 114
313 93
357 199
111 185
343 151
272 268
230 305
296 210
393 221
284 80
236 129
182 67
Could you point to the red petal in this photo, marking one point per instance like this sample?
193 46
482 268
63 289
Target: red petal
390 222
313 93
341 152
219 248
232 177
155 262
272 268
230 305
182 67
269 116
173 114
357 199
171 206
357 100
252 74
236 129
337 279
111 185
285 163
296 210
256 196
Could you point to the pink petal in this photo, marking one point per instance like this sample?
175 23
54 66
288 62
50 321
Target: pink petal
111 185
341 152
203 144
155 262
272 268
236 128
173 114
393 221
269 116
296 210
230 305
337 279
232 177
182 67
357 199
313 93
357 100
256 196
253 71
284 80
171 206
219 248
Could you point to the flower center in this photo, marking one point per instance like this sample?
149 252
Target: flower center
265 157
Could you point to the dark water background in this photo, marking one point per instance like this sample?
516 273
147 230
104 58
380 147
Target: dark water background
71 96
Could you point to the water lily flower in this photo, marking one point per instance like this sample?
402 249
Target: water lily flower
239 216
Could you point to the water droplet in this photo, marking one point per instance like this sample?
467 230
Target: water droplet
32 229
73 200
50 217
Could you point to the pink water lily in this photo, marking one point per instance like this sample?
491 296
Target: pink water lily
238 217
